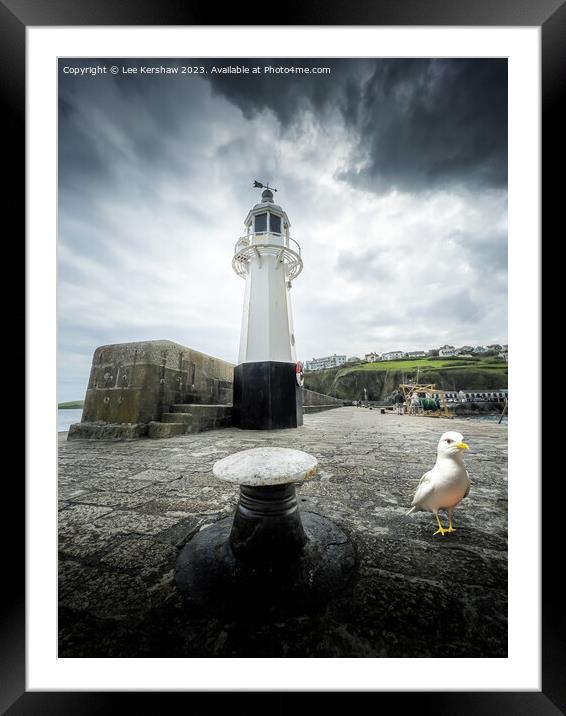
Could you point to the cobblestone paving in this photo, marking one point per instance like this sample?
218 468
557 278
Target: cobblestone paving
127 508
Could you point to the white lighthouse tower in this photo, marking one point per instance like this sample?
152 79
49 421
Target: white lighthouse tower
267 379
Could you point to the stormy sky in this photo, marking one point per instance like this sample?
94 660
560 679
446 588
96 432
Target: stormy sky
393 173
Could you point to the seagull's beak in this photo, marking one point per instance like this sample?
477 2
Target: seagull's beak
462 446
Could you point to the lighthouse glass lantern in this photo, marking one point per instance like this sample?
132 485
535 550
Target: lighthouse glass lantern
267 379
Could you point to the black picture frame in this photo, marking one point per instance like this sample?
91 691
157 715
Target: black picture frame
15 17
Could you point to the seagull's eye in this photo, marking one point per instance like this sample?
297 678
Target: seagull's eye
448 440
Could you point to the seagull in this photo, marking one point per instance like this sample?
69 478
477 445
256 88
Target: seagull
446 484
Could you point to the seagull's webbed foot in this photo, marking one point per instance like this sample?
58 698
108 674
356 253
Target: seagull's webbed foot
450 528
440 529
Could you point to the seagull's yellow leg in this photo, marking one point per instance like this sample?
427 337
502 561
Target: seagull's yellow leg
440 529
450 528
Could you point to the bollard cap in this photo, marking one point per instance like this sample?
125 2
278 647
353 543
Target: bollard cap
266 466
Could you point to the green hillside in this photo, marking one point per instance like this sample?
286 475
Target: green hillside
70 405
382 378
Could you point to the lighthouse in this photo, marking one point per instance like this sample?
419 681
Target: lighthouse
268 379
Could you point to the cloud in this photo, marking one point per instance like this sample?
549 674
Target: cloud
450 306
155 179
416 124
488 252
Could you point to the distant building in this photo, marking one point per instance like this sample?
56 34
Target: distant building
392 355
502 356
451 351
498 395
495 347
416 354
326 362
372 357
480 349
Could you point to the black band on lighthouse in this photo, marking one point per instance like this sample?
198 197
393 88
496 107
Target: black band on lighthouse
266 396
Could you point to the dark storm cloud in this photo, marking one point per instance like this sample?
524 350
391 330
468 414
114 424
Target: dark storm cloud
79 156
144 126
430 123
417 124
287 94
148 124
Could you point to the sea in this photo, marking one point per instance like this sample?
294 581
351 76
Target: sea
65 418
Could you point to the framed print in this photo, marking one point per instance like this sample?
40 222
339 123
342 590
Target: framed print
140 137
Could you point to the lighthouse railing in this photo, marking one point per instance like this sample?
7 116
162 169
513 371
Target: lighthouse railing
286 249
269 238
293 245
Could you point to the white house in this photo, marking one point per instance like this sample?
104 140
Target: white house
372 357
416 354
326 362
392 355
444 352
480 349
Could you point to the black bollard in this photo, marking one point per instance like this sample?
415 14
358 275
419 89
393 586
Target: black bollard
268 557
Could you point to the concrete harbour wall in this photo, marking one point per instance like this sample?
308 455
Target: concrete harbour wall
161 389
314 402
133 384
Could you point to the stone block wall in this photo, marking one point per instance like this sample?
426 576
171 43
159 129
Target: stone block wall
133 384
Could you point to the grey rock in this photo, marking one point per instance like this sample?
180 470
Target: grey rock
121 522
155 476
142 556
119 500
81 514
84 543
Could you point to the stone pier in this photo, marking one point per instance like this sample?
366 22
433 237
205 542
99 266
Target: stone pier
128 508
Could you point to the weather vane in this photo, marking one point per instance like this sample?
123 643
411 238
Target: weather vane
259 185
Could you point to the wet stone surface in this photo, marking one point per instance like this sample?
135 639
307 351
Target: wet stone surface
128 508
